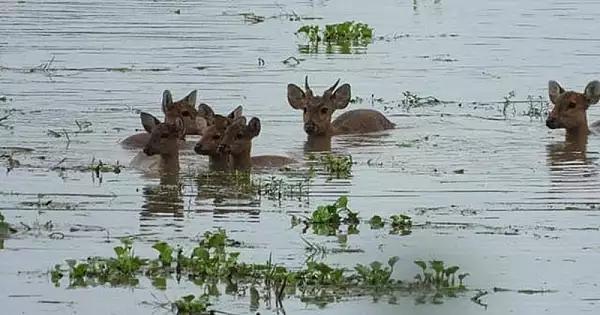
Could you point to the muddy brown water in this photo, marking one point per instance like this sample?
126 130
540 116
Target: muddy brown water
522 216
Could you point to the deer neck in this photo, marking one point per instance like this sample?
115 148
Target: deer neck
578 136
169 163
219 161
242 161
318 143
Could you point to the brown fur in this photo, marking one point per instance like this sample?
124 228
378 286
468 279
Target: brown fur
185 108
208 144
570 110
237 142
164 141
318 111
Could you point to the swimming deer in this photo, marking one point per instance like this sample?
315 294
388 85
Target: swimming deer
570 111
192 118
164 141
319 109
211 138
237 141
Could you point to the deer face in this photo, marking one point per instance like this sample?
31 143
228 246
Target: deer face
238 137
317 110
570 107
164 136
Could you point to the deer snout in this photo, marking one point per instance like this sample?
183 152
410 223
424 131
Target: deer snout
223 149
148 151
198 148
310 128
551 122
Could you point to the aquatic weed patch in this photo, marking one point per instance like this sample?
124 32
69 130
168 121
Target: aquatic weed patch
344 36
334 166
327 220
212 267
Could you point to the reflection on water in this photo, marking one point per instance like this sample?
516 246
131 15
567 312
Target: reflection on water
571 169
164 198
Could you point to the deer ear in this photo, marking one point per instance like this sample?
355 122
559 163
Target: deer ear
190 99
341 96
296 97
237 112
554 90
167 101
149 122
592 92
206 111
254 127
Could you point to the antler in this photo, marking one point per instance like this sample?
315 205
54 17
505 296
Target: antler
309 92
330 90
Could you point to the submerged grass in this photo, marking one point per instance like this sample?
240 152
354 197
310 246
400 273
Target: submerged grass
212 267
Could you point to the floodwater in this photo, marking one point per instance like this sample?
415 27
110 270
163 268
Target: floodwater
522 215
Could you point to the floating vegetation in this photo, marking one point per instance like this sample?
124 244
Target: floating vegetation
327 219
342 35
336 167
412 100
212 267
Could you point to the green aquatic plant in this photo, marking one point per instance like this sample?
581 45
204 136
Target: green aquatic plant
343 35
191 305
336 167
210 265
327 219
437 281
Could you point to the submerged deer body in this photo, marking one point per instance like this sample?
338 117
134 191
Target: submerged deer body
237 141
185 108
570 111
211 138
318 111
164 142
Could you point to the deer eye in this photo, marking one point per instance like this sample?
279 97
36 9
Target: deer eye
164 135
324 110
185 114
572 105
239 135
216 137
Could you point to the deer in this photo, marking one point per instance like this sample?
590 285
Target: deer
211 138
192 118
237 142
164 142
570 112
318 111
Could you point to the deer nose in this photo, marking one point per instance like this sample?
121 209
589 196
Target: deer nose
198 148
147 151
310 128
551 123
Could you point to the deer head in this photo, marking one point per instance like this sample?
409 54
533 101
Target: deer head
318 109
164 136
193 118
570 107
212 136
238 137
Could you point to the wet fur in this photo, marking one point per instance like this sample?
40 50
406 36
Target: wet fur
237 141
